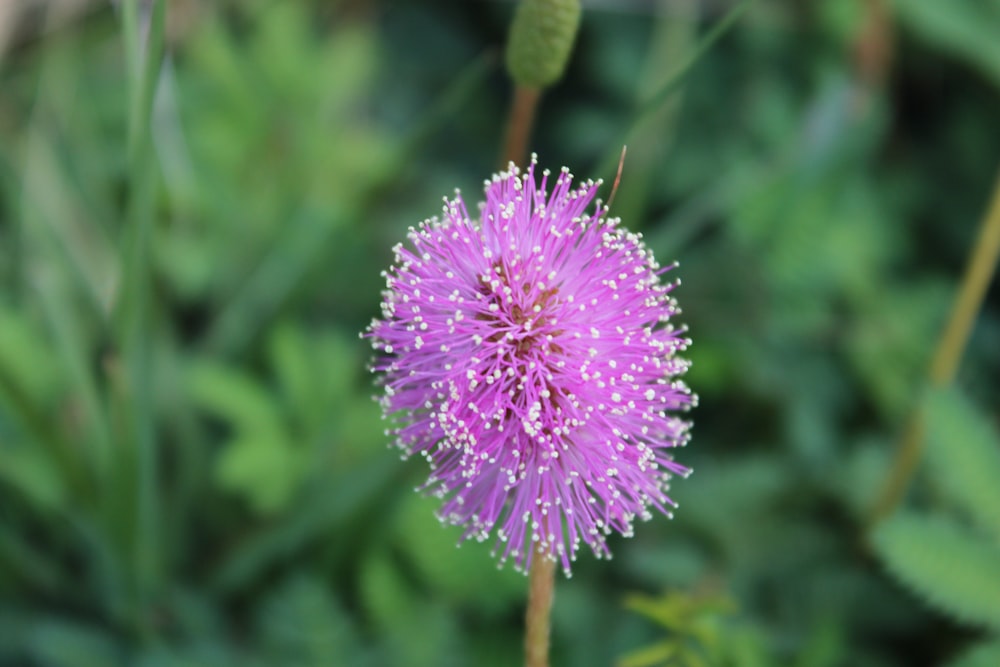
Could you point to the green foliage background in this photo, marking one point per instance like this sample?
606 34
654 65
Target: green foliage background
192 470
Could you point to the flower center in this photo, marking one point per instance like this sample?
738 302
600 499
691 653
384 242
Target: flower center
519 314
521 339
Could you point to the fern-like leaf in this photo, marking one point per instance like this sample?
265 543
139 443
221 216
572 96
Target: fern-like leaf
964 452
952 570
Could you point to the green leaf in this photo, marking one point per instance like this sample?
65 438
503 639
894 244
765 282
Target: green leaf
337 356
386 595
58 643
300 624
26 359
393 604
316 374
295 367
261 461
656 654
264 468
30 470
322 512
889 349
984 654
747 647
745 486
860 476
964 455
943 564
966 28
825 646
64 232
235 397
464 573
200 654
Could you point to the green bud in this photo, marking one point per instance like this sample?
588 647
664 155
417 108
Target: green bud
540 41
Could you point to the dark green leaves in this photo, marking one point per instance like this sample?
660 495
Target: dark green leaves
963 456
963 28
945 565
939 557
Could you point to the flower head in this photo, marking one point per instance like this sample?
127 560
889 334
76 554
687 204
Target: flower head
529 356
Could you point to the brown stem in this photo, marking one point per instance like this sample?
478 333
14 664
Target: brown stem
976 281
542 574
873 44
519 124
978 274
536 619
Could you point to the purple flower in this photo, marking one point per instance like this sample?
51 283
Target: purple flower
528 355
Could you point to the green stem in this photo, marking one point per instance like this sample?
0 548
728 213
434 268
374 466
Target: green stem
978 274
536 619
143 59
542 573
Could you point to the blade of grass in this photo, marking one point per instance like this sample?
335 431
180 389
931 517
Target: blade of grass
71 346
34 566
143 41
327 506
78 242
49 270
650 139
657 100
30 421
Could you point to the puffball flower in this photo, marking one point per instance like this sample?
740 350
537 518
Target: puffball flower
528 354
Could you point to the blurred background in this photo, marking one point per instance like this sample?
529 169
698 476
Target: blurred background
193 471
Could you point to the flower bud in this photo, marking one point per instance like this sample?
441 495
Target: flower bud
540 41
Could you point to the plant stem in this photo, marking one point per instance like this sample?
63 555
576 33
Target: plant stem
143 54
542 573
873 43
951 346
536 619
519 124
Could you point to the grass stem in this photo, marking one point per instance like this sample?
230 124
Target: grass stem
951 346
143 54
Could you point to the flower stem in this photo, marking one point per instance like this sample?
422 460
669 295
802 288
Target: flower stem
519 124
944 365
536 619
